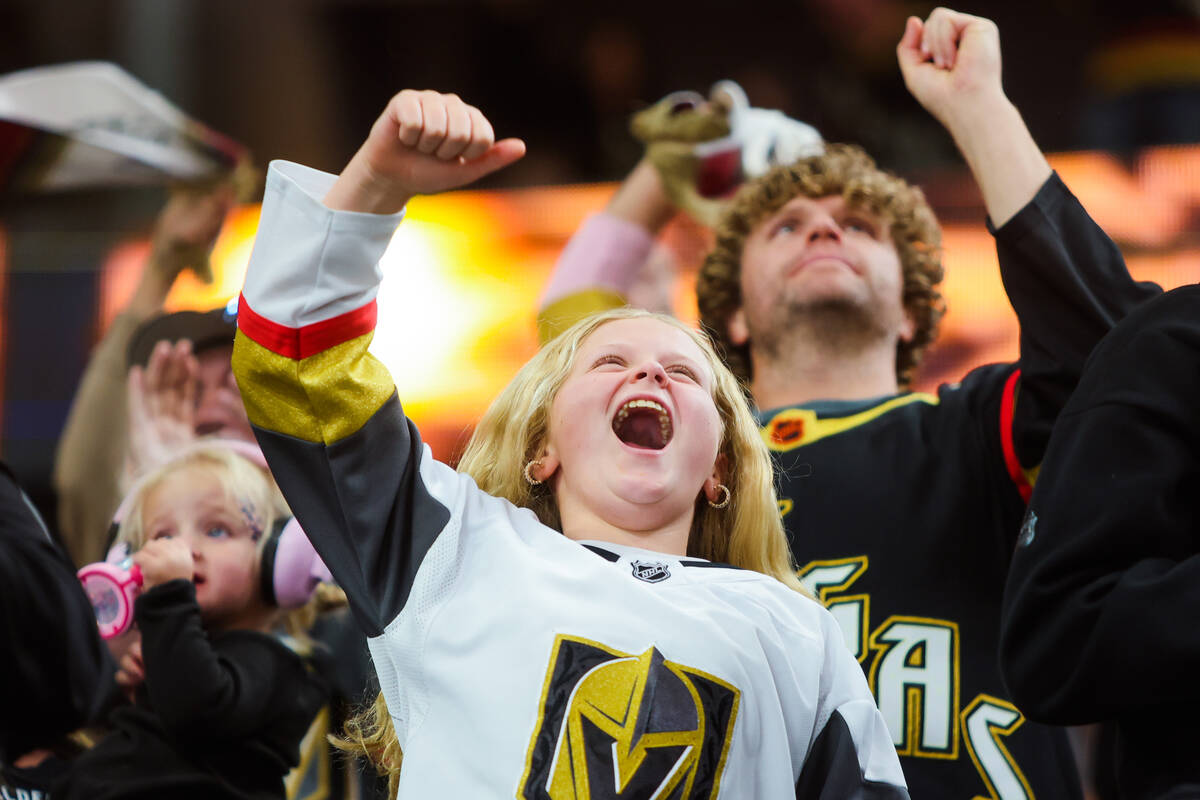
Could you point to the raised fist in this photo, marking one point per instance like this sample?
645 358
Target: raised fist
424 142
951 62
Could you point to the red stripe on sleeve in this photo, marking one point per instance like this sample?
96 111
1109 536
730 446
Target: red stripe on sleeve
300 343
1008 402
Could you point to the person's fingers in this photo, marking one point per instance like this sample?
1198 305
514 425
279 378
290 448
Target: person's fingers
433 132
958 25
409 118
170 373
939 35
131 665
910 51
135 394
190 386
501 154
184 350
458 129
156 363
482 135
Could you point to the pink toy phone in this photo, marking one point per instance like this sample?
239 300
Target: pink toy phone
112 586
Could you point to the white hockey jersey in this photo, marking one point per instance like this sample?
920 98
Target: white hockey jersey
514 661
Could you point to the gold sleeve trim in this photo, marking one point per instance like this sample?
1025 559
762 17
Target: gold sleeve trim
321 399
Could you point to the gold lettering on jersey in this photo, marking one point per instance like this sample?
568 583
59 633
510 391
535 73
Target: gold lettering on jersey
622 725
985 721
915 679
913 667
827 578
794 427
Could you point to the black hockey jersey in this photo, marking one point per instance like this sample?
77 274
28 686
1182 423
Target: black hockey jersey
903 511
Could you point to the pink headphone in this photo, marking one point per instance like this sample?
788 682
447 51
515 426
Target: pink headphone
290 568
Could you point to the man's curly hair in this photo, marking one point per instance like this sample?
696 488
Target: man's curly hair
848 171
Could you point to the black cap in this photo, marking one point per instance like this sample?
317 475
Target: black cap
205 329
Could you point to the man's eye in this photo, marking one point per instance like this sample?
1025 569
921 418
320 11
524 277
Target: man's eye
785 227
860 225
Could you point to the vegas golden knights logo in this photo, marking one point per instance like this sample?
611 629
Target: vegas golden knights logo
617 725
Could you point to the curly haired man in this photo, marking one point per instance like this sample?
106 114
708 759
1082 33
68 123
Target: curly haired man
902 508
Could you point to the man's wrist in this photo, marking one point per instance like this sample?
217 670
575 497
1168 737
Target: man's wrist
975 113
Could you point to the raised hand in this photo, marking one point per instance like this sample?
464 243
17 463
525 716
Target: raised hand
186 229
424 142
951 63
164 560
161 406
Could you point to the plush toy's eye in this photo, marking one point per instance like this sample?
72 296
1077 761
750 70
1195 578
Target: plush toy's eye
679 102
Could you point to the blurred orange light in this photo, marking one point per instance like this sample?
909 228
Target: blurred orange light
465 270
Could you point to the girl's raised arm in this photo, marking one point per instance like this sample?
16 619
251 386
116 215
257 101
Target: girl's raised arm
325 410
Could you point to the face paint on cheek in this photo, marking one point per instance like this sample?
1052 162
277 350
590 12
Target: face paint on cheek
253 520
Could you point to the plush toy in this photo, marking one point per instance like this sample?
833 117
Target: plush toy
704 149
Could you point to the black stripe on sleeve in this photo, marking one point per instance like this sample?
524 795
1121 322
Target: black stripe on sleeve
365 507
832 772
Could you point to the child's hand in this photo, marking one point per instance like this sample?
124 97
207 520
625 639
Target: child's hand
131 671
423 143
164 560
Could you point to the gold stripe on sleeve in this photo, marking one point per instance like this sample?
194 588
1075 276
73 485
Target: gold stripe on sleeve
322 399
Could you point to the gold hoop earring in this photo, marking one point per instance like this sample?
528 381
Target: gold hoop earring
725 500
528 475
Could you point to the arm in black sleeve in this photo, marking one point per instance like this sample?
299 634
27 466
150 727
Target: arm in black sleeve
195 689
1104 590
1069 286
324 409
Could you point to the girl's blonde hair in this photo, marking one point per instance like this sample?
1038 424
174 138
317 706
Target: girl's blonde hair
242 481
748 533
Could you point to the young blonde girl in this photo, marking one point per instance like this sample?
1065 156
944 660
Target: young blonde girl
219 705
601 602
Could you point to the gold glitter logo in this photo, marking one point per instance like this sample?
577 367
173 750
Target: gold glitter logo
620 725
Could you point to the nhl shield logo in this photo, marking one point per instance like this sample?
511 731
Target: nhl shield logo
650 571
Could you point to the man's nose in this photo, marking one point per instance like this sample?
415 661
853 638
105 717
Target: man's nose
210 410
824 228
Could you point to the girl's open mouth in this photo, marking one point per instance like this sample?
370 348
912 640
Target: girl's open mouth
643 423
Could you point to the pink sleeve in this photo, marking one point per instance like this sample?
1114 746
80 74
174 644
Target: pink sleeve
606 252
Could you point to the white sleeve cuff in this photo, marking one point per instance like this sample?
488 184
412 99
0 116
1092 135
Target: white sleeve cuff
311 263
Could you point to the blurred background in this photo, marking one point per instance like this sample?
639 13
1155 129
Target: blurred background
1111 86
